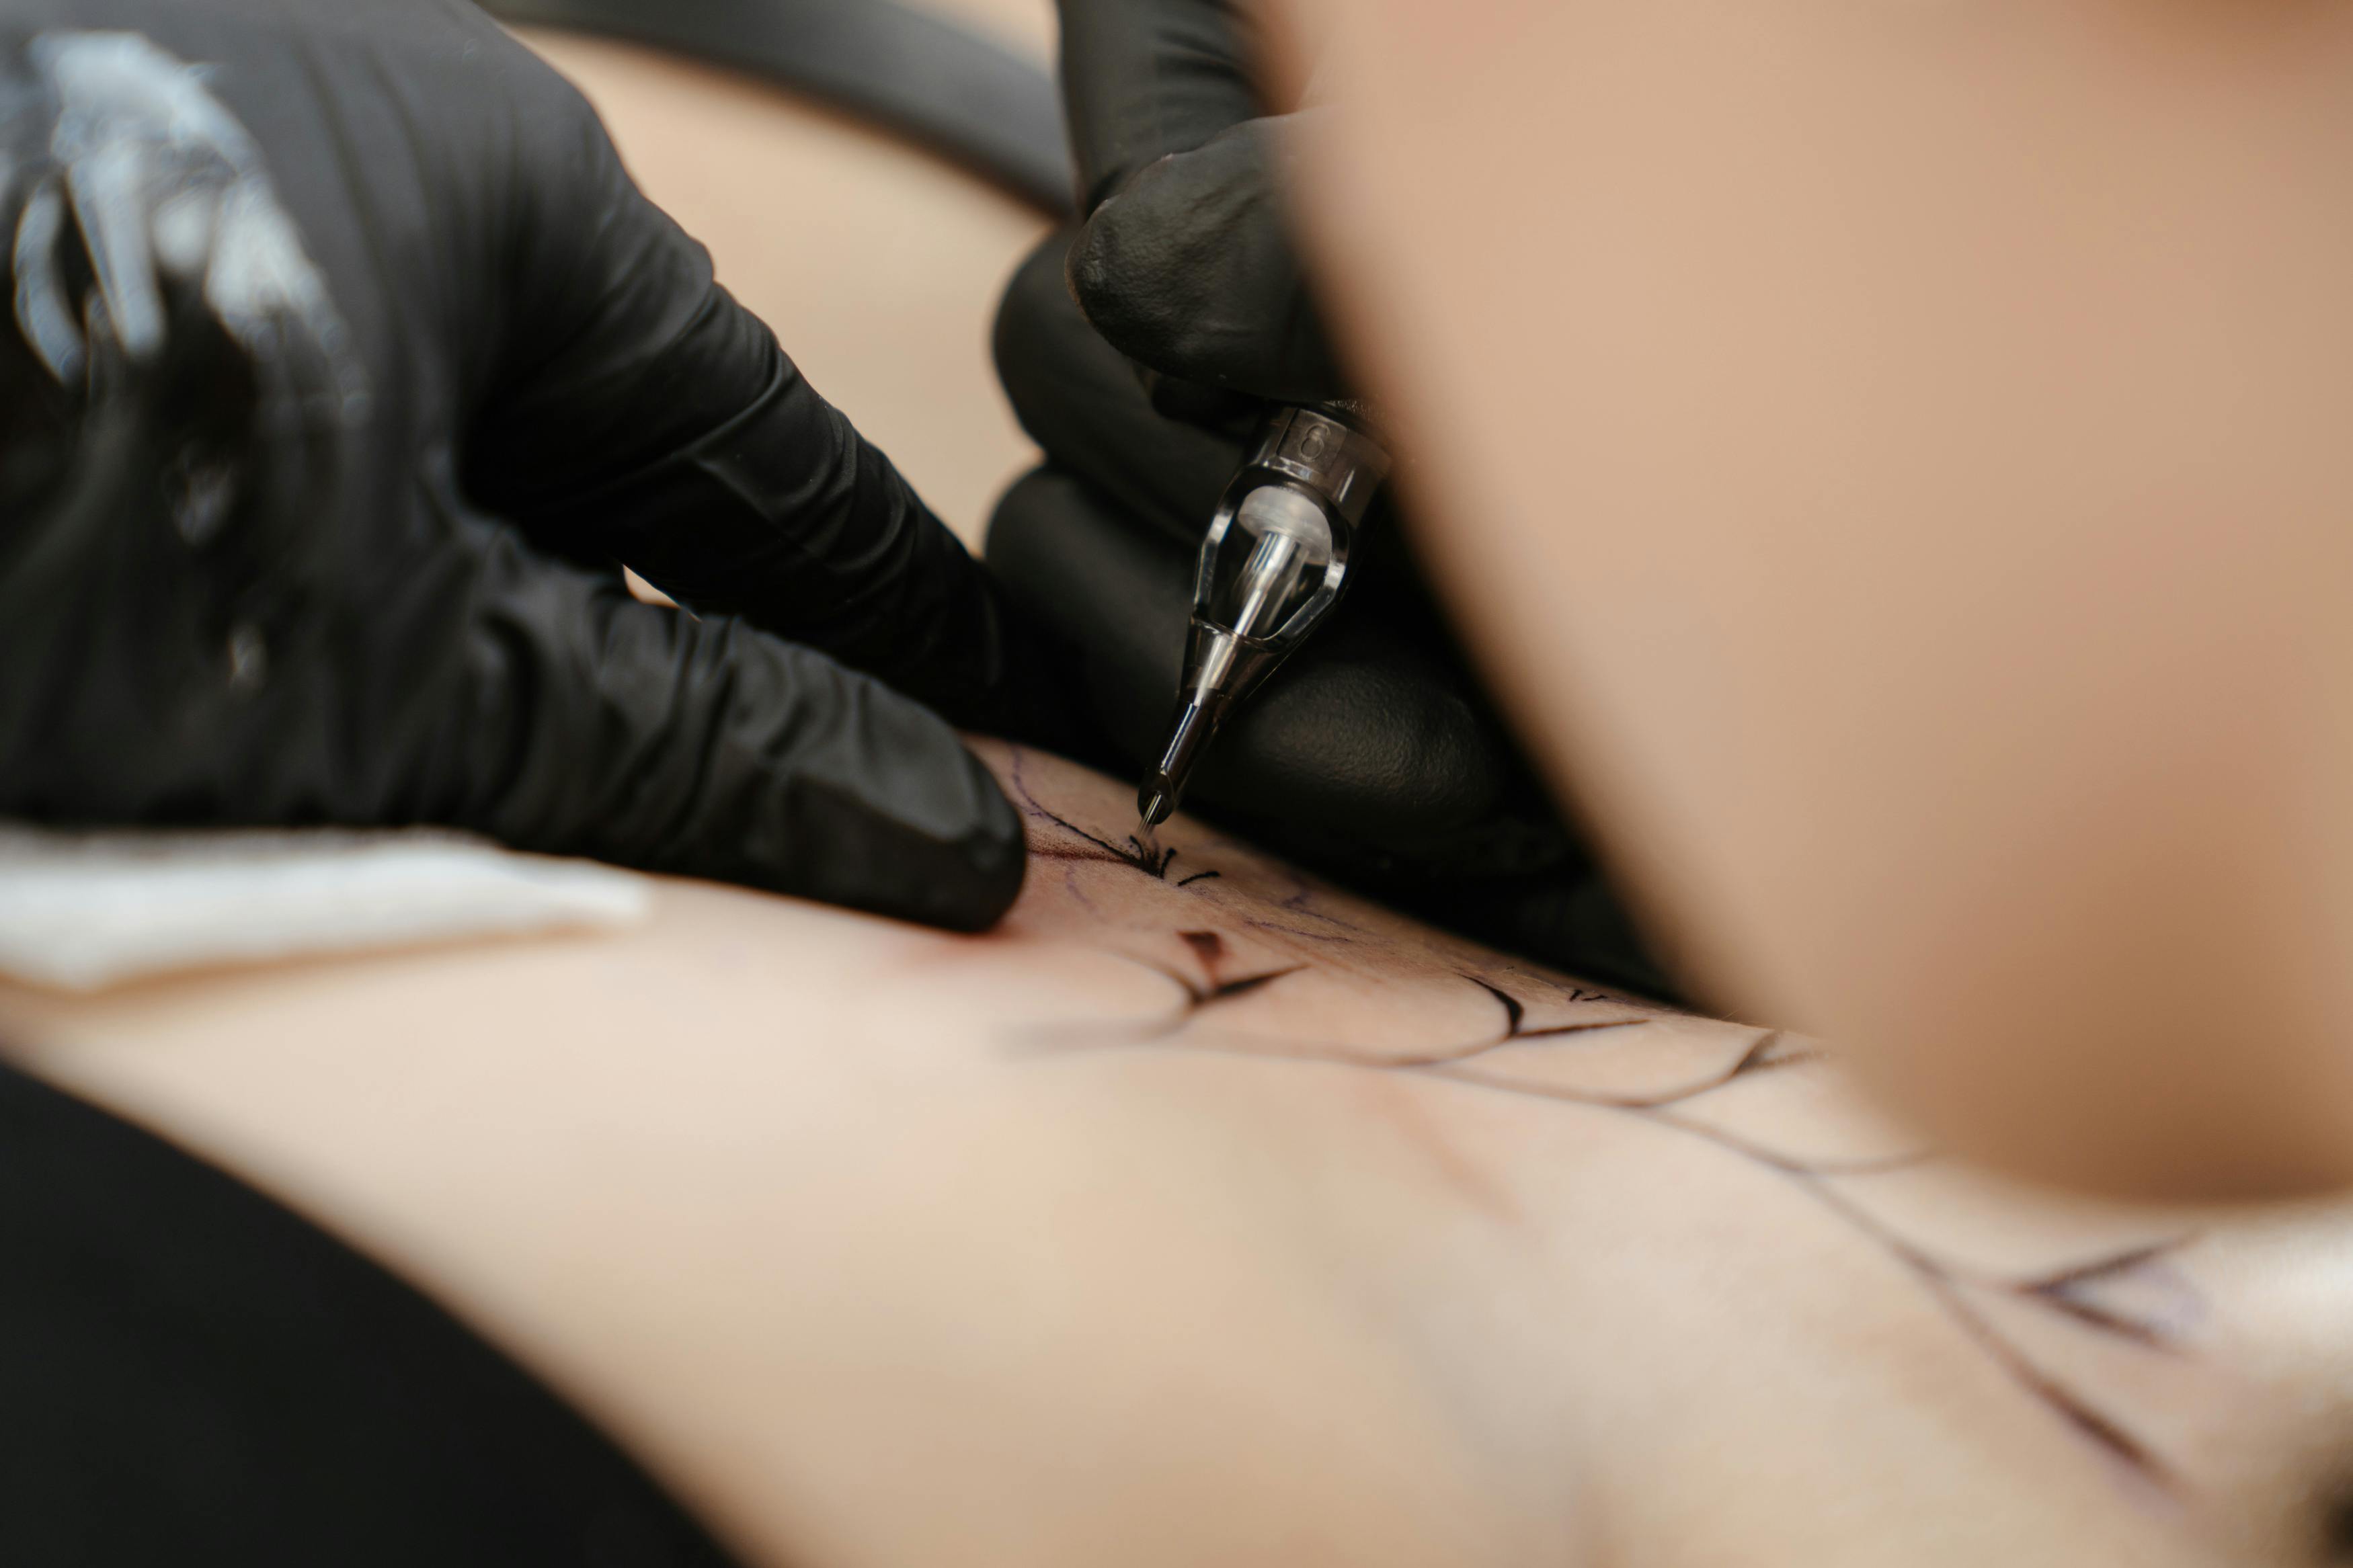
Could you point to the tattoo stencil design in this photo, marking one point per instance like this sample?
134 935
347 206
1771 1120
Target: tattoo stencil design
2070 1293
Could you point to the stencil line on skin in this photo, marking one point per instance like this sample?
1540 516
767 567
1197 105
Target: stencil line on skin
1135 854
1209 948
2063 1291
1947 1284
1194 998
1279 929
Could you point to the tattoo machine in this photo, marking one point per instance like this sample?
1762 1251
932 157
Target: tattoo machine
1272 566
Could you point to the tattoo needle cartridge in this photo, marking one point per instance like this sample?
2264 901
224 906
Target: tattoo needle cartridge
1273 565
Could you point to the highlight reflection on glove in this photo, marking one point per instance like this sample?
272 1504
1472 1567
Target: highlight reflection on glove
347 365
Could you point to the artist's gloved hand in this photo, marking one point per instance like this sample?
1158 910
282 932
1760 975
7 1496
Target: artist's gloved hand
347 365
1373 753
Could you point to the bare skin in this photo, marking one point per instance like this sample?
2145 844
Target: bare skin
1204 1214
1892 455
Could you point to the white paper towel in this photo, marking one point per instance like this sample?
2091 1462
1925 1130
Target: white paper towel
84 910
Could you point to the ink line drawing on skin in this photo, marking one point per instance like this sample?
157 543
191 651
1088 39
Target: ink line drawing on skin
1207 946
1135 853
1194 998
1276 928
1953 1287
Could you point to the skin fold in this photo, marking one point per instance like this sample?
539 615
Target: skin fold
1202 1214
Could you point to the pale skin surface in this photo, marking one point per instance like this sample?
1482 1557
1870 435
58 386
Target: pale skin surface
1093 1240
1894 457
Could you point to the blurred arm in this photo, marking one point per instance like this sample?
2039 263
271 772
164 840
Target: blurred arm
1893 462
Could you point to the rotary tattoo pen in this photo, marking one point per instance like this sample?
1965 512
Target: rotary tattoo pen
1273 565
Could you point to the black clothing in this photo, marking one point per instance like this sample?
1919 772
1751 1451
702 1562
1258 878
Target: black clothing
192 1375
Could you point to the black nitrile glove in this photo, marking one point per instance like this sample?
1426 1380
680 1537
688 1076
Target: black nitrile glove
1372 754
348 362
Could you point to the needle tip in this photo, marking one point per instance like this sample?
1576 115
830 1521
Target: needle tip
1156 801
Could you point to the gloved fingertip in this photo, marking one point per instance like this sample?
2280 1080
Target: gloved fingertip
989 862
1128 279
1083 402
1189 270
874 803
